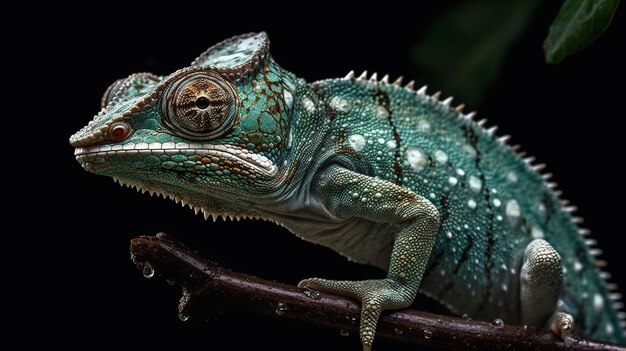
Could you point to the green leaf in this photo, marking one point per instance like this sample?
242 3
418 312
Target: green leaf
463 51
577 25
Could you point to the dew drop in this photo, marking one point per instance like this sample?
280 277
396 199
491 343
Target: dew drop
281 308
148 271
344 332
183 317
397 331
311 293
466 317
497 323
427 334
171 281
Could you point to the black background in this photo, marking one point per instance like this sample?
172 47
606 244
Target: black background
565 115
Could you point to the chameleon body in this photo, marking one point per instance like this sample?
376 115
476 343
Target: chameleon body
383 174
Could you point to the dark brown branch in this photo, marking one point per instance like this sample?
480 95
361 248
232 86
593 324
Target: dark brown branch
208 285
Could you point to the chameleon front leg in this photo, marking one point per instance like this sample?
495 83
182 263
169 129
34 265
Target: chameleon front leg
349 194
541 284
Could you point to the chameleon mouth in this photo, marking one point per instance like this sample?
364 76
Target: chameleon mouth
253 163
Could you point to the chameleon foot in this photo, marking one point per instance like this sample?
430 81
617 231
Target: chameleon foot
375 296
562 324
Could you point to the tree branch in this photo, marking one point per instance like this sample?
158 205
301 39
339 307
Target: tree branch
207 285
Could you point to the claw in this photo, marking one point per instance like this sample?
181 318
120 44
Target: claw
562 325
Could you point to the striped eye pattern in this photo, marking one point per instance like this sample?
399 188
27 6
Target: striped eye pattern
200 106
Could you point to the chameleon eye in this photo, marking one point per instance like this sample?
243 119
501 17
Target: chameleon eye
199 106
119 131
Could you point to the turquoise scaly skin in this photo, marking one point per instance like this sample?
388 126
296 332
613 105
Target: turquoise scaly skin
379 172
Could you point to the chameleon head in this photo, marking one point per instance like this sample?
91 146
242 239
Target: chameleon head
200 133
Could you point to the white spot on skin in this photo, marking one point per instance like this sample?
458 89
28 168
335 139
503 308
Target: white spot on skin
504 267
471 204
460 172
382 113
513 211
288 97
378 195
452 181
441 157
339 104
499 218
416 158
449 235
512 177
578 266
475 184
541 209
598 303
308 104
356 141
424 126
391 144
505 287
536 232
470 150
497 202
355 195
609 329
433 196
381 140
363 199
290 139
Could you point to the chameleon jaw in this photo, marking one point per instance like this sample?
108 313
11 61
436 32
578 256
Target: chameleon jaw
252 162
186 202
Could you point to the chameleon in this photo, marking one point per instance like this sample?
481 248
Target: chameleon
380 172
